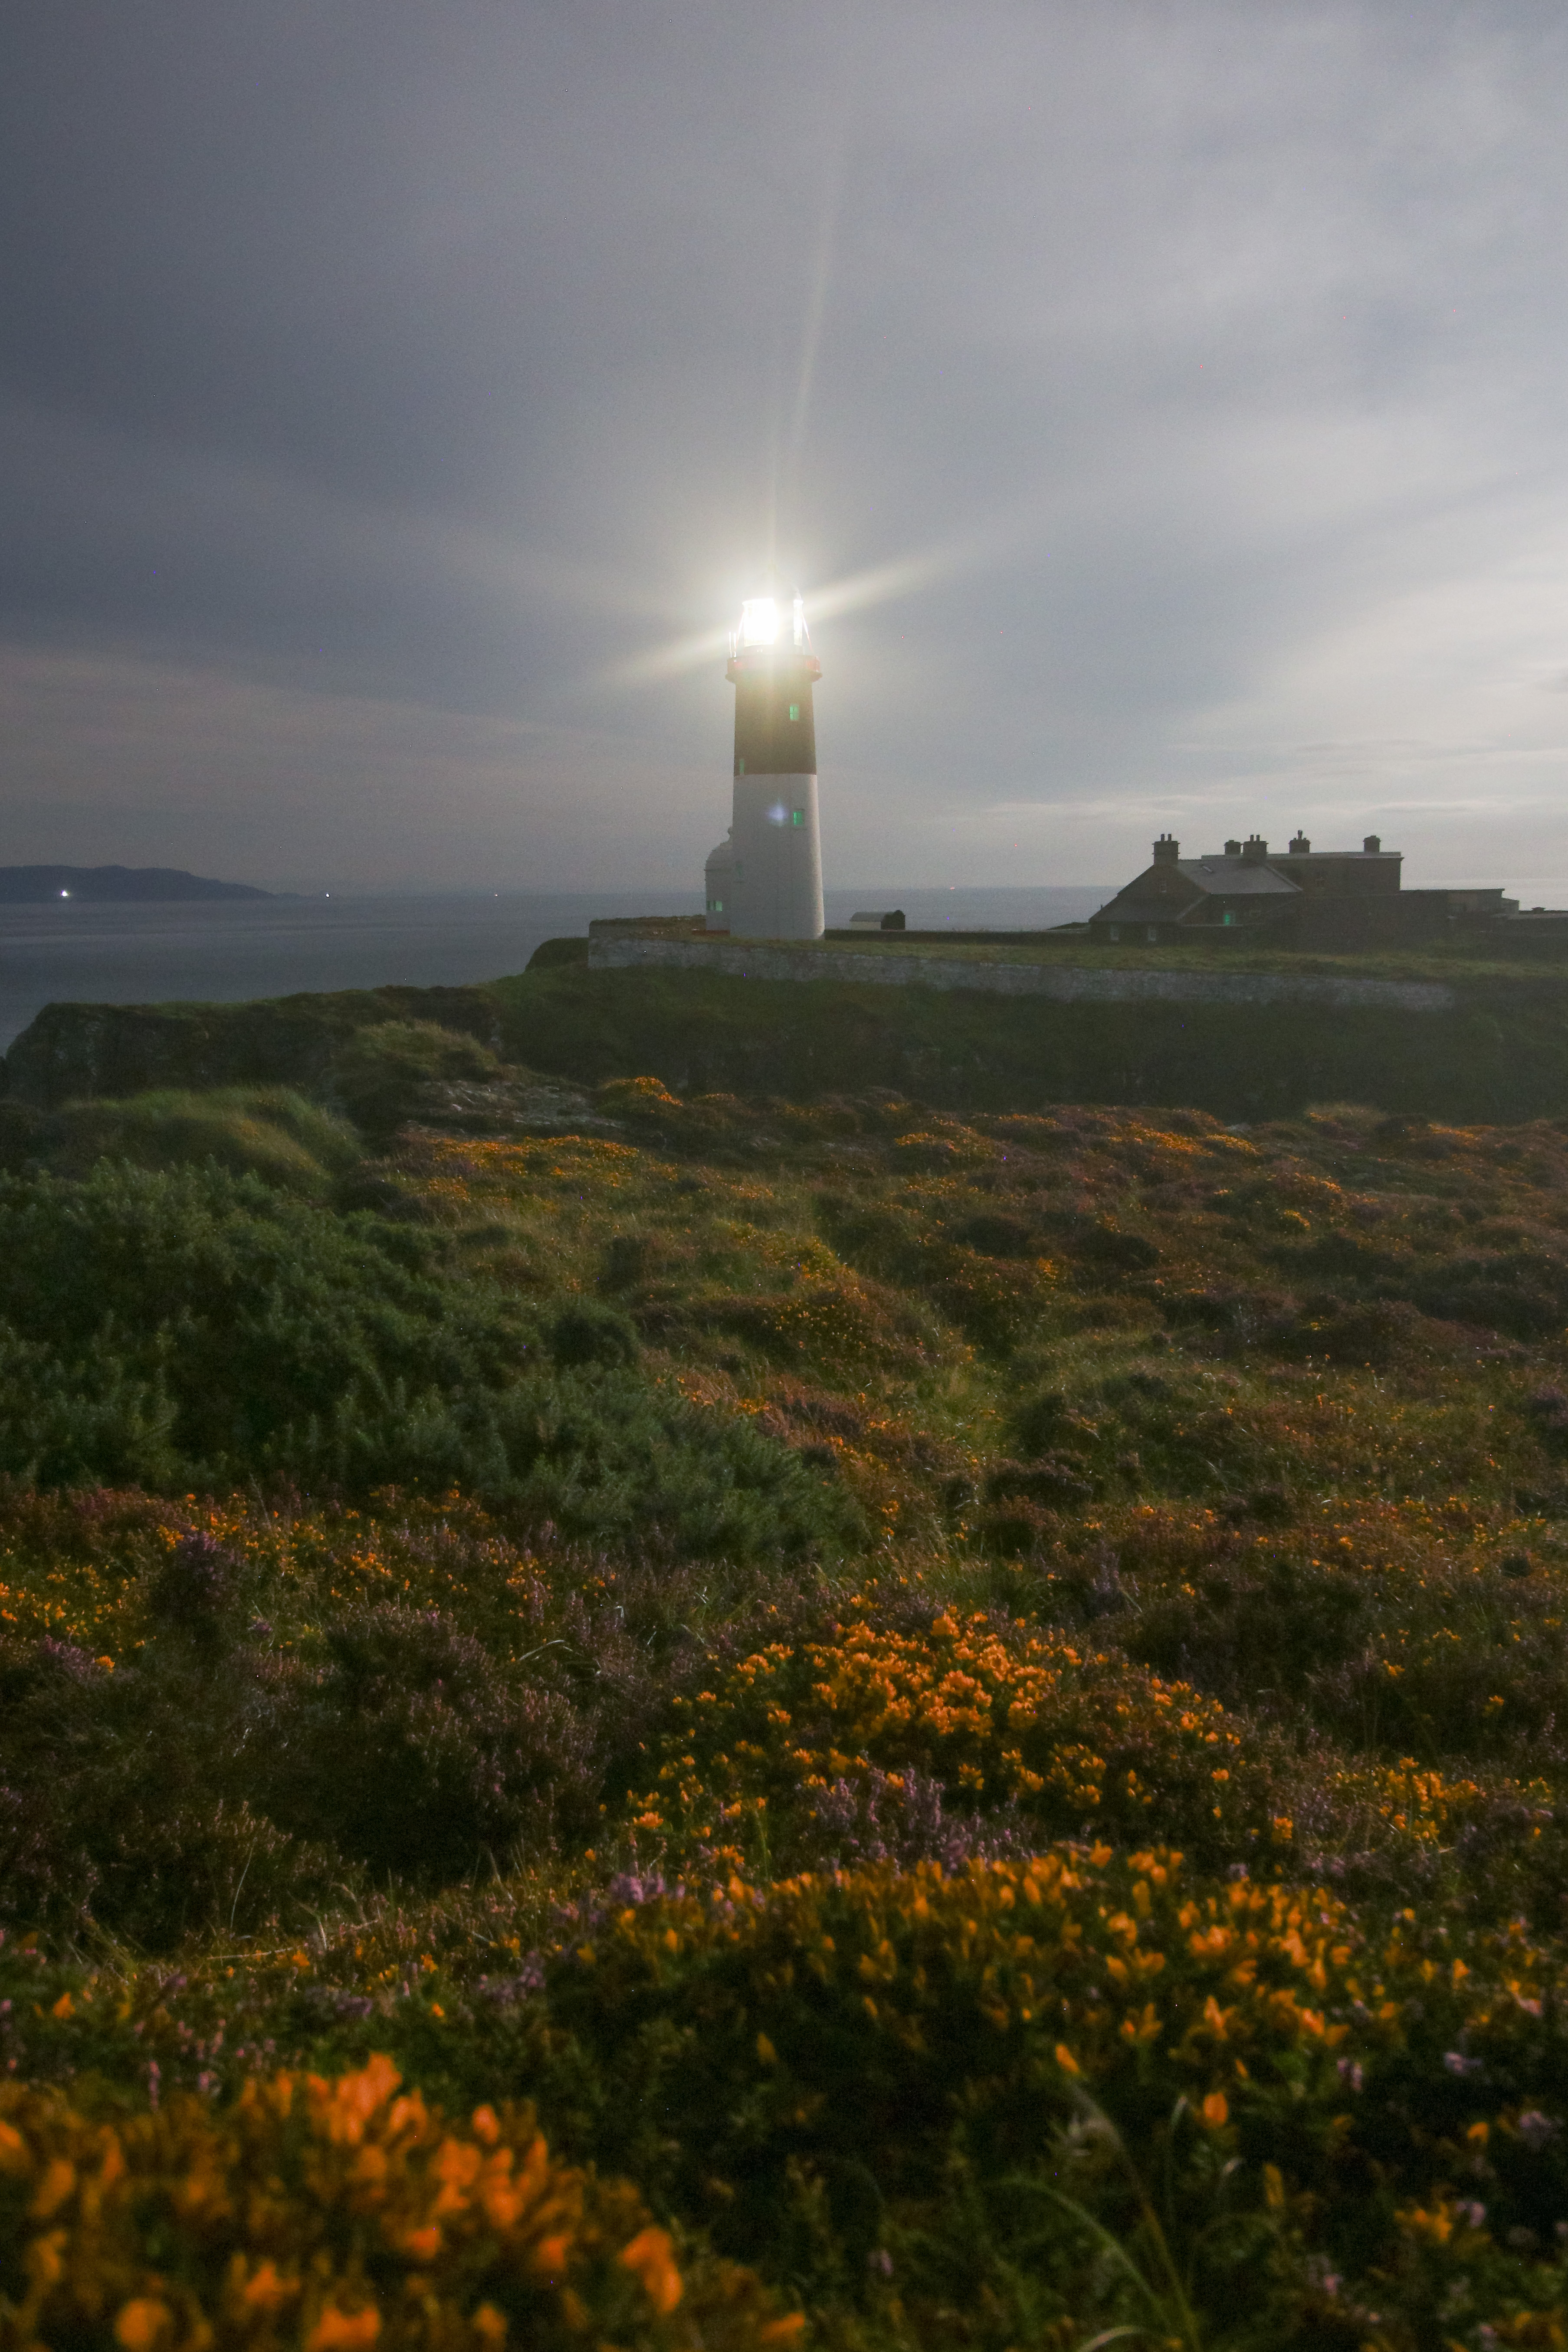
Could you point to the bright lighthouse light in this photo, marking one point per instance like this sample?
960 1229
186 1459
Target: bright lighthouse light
759 621
764 879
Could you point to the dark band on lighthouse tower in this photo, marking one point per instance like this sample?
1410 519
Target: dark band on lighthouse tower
765 881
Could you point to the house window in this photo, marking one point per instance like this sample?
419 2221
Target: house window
1229 915
1153 930
797 816
1116 930
795 710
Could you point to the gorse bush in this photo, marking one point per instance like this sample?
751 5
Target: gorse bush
716 1623
1254 2049
998 1716
265 1710
928 2102
336 2216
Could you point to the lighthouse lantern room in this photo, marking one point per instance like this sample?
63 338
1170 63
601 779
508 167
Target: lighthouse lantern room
765 882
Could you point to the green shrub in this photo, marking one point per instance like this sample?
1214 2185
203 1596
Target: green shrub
194 1329
550 954
410 1749
122 1795
251 1332
1188 1431
587 1333
385 1074
603 1453
900 1240
271 1132
87 1415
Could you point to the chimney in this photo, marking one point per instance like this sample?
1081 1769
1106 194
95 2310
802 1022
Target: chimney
1301 846
1167 849
1371 844
1233 849
1254 849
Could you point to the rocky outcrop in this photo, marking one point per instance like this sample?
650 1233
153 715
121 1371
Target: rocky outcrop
72 1052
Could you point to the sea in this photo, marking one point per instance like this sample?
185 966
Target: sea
226 951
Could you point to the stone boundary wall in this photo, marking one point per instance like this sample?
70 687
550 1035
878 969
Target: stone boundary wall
1061 983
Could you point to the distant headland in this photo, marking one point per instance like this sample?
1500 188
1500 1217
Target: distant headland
29 885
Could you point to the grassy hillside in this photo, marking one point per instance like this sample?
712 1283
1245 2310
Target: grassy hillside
1500 1053
970 1704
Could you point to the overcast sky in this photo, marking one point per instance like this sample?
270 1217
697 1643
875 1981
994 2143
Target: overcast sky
386 385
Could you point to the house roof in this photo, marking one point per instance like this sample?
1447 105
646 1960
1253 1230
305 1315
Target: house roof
1168 891
1234 878
1144 910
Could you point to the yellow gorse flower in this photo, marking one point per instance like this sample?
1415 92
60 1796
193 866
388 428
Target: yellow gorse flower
339 2215
1025 1716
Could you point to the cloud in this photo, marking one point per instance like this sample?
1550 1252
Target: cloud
1160 406
115 756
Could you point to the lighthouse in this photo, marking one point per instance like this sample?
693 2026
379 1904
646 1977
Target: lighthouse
765 882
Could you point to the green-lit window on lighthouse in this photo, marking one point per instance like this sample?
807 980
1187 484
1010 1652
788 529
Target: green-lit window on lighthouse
795 710
740 767
797 816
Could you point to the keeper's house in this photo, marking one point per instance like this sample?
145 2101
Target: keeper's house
1303 898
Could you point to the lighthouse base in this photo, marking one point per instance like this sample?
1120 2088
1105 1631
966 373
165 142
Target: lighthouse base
775 887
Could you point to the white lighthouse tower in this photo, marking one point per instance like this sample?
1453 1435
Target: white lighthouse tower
765 881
